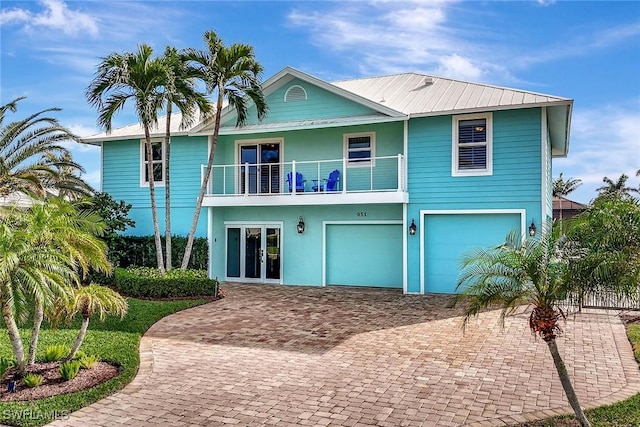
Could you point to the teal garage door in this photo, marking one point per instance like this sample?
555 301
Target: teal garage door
364 255
448 237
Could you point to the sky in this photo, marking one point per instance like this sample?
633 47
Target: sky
587 51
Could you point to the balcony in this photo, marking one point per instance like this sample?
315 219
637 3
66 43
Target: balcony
338 181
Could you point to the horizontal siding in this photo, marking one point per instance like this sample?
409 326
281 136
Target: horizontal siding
516 163
121 179
320 104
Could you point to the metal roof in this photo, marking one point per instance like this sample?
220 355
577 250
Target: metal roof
136 130
422 95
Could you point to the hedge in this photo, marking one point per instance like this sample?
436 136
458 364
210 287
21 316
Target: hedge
145 282
140 251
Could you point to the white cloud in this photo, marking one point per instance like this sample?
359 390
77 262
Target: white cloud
56 15
604 142
545 2
456 66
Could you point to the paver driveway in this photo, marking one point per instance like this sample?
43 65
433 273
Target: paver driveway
344 356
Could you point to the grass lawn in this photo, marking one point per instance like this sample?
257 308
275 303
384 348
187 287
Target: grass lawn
114 340
622 414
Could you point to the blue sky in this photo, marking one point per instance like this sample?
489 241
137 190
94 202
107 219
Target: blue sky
588 51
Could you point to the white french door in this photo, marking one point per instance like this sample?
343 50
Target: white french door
254 252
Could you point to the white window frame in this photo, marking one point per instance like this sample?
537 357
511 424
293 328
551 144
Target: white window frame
455 155
143 164
372 149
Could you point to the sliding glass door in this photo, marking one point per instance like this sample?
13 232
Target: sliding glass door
260 170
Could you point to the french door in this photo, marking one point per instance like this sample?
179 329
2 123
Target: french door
262 175
254 253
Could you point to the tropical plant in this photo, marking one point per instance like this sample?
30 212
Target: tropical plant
562 188
32 159
616 187
32 380
179 91
138 77
89 300
69 370
55 352
28 271
67 184
518 272
58 224
234 73
88 361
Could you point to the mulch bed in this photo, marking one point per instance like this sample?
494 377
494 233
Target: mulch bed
53 384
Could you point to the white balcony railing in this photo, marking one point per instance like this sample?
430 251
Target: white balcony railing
380 174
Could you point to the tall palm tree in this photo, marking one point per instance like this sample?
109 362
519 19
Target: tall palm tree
31 157
27 271
615 187
58 225
516 273
67 184
562 188
179 90
137 77
235 74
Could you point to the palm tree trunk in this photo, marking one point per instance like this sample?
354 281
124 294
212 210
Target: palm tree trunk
167 190
81 334
38 315
154 207
205 181
14 337
566 383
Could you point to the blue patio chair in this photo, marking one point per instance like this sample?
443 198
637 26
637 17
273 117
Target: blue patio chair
300 181
330 184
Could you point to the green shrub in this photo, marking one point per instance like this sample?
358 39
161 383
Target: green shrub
69 370
147 283
141 251
32 380
55 352
87 362
79 355
5 364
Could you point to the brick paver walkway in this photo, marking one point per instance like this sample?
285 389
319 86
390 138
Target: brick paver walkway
281 355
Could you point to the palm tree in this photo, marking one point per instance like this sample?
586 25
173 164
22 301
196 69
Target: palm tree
139 77
516 273
67 184
58 225
562 188
89 300
28 271
235 74
31 157
615 187
179 90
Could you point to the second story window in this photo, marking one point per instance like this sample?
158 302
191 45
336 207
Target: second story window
157 162
472 145
359 148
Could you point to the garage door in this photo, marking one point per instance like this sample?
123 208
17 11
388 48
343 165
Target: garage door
364 255
448 237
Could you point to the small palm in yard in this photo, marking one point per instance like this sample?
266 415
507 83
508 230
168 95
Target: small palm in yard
89 300
517 273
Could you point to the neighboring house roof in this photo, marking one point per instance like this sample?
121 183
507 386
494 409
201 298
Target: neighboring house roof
398 96
567 205
16 199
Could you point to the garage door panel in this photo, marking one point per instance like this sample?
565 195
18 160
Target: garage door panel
364 255
447 237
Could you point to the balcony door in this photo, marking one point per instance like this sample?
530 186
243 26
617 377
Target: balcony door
262 175
254 253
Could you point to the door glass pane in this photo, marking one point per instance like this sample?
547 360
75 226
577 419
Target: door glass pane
273 253
253 249
233 252
249 154
270 168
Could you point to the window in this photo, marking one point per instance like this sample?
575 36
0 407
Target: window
359 148
472 145
157 159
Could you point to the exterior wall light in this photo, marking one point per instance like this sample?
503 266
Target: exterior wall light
412 228
300 225
532 229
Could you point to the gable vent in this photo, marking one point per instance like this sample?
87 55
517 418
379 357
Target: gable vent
295 93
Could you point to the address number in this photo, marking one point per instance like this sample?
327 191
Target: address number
361 214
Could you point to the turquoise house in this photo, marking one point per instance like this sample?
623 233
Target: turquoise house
380 182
